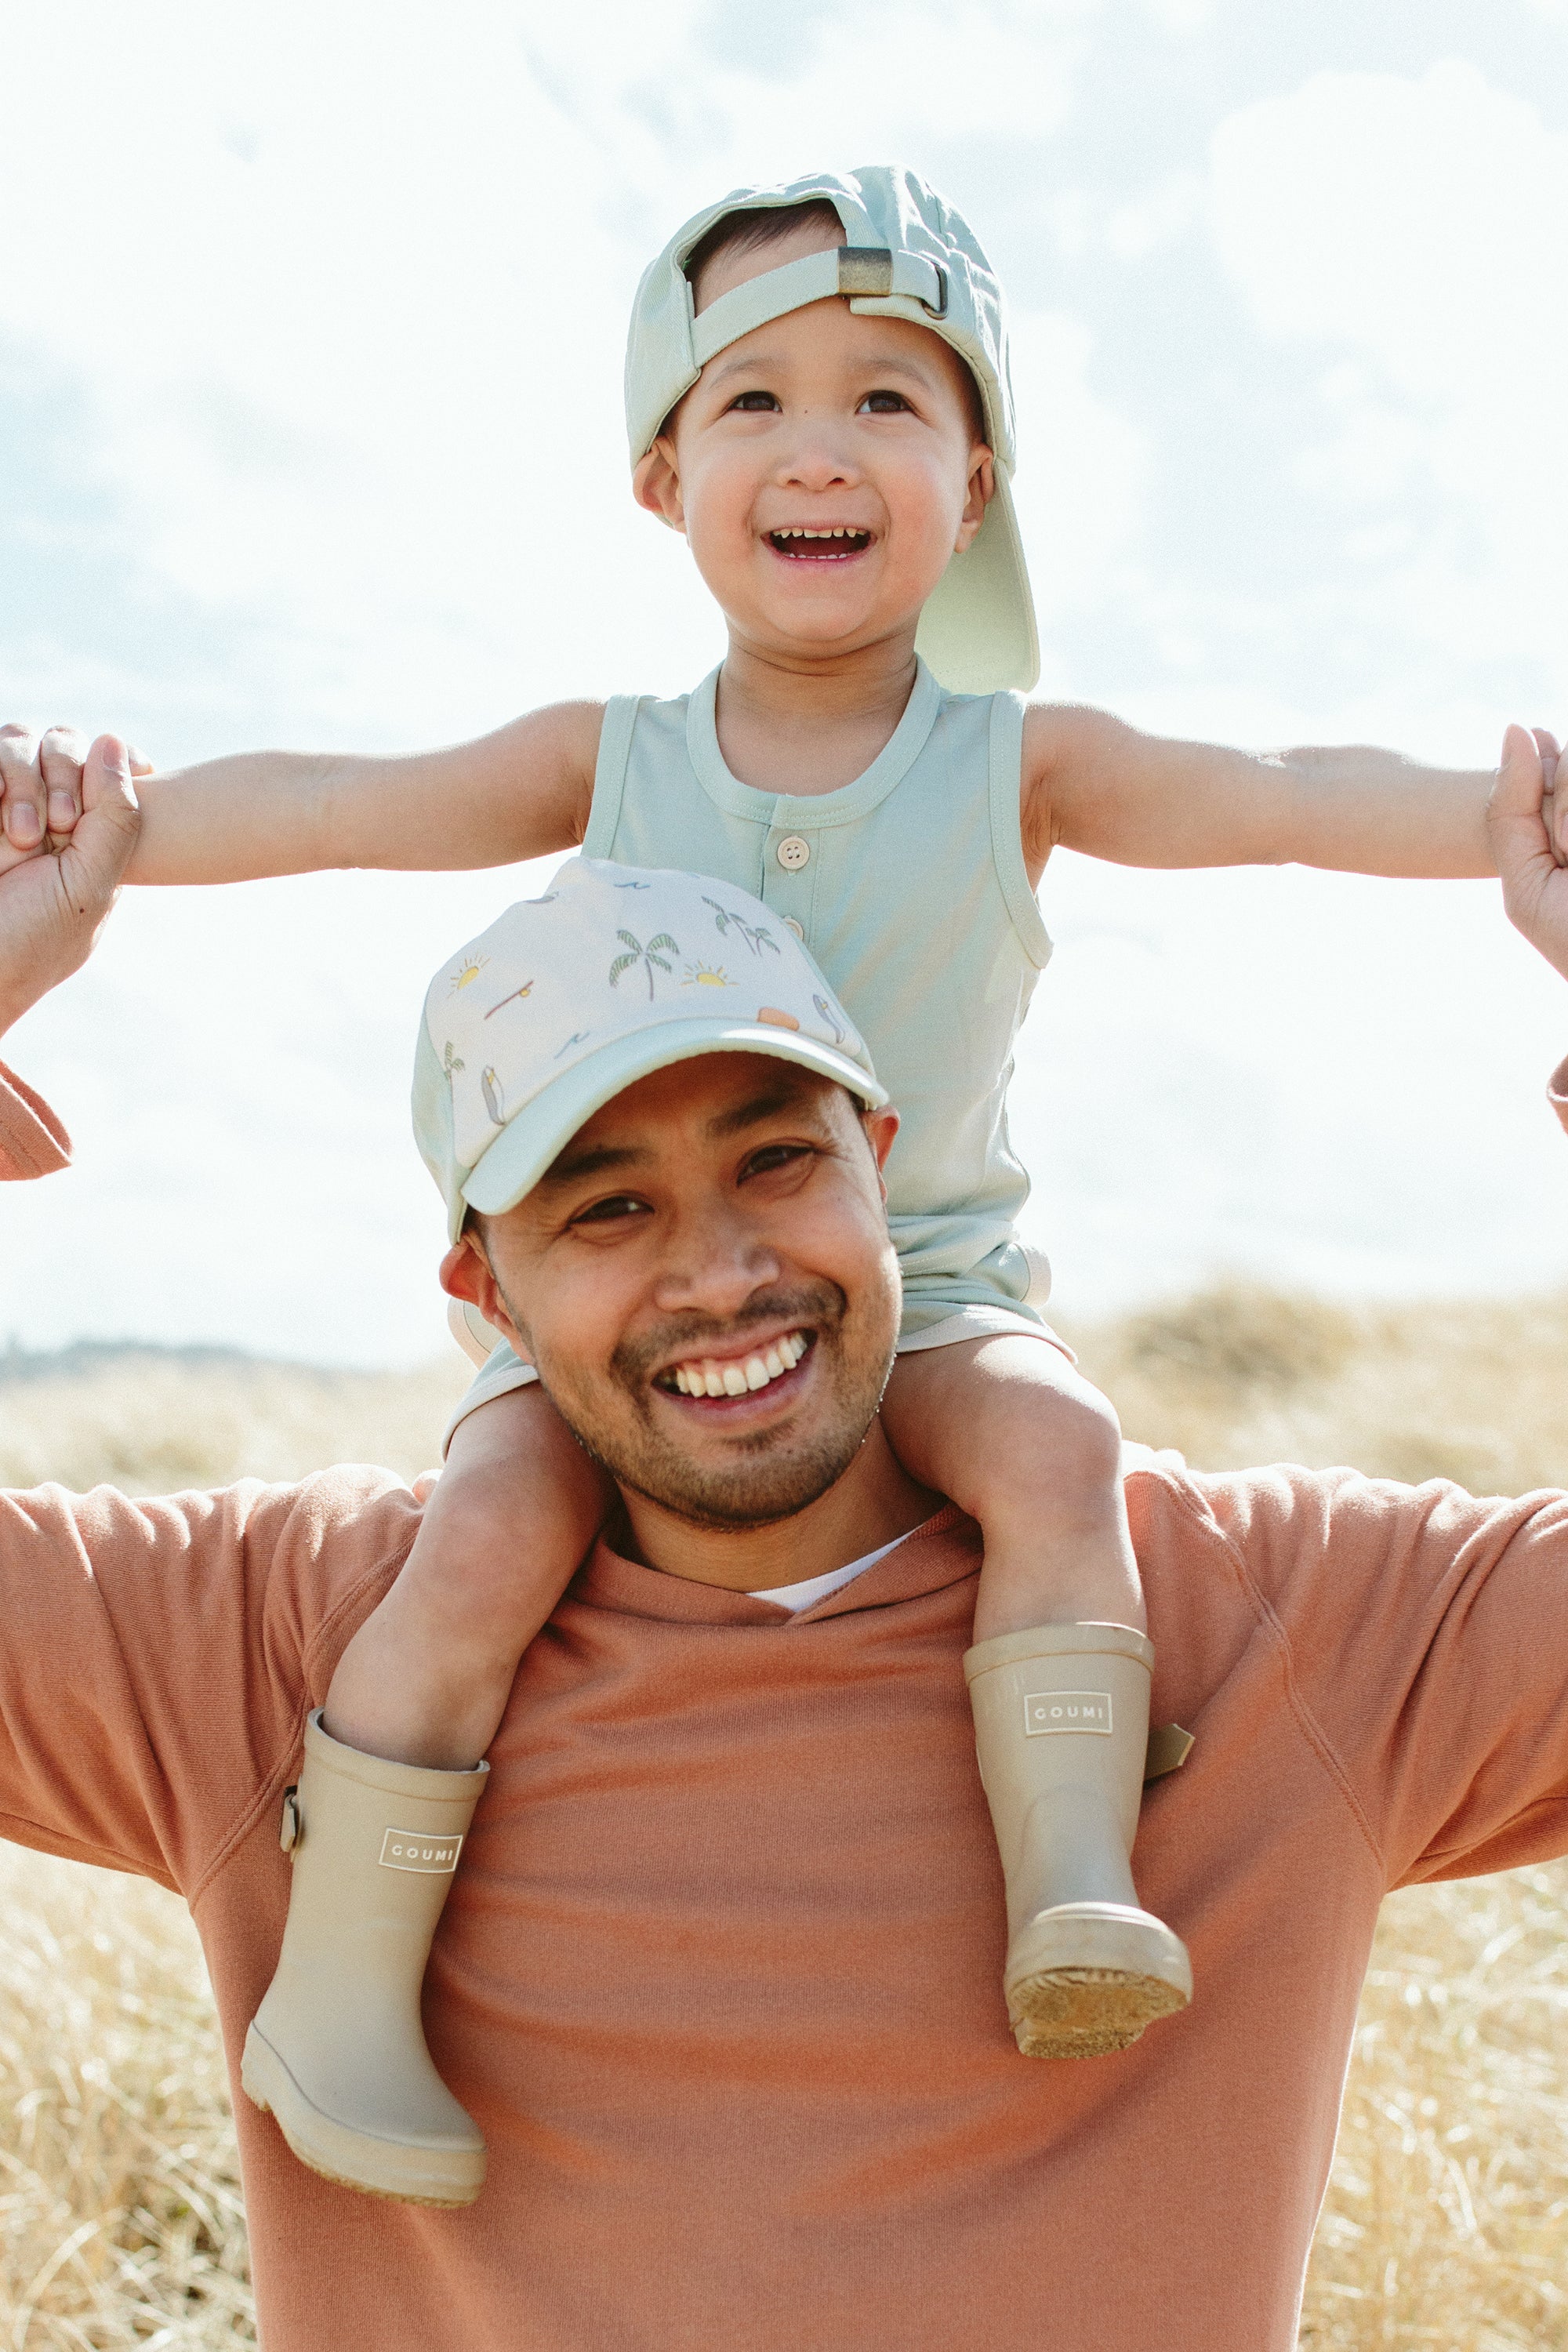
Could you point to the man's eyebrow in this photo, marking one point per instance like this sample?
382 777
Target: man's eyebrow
594 1159
742 1116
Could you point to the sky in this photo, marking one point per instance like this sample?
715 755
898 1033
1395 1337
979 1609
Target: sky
311 334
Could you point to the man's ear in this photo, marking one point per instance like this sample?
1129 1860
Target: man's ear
982 489
880 1127
656 484
465 1274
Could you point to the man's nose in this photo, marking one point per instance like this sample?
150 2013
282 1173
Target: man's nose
714 1263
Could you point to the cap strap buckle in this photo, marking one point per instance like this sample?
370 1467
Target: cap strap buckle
865 269
874 271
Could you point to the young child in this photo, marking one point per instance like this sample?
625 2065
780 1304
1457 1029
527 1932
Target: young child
818 398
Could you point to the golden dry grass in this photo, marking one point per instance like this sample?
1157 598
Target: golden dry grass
1446 2222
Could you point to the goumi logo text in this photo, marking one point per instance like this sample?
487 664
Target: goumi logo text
1065 1711
406 1850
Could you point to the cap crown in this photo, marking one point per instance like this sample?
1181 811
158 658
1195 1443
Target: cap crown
883 207
566 999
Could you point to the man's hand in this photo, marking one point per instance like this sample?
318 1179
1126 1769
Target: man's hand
41 789
53 903
1526 829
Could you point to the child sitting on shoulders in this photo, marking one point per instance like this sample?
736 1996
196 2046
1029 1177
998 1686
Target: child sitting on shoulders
818 398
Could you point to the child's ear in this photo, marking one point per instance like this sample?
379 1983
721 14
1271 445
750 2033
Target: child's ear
981 490
656 484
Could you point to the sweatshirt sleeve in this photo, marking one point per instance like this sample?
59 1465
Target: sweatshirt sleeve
158 1659
1427 1639
32 1140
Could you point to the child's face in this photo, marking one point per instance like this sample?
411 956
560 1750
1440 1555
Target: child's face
823 421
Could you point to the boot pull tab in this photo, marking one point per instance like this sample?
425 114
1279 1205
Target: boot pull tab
1168 1748
291 1827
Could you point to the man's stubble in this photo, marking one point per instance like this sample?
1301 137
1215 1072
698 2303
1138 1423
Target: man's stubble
757 1480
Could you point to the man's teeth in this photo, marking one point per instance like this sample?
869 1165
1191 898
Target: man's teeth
737 1375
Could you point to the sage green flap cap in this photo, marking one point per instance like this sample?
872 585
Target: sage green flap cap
907 254
568 999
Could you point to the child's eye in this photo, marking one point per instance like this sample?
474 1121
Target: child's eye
619 1204
754 403
882 403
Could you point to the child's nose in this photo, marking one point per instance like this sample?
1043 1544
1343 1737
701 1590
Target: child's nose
818 460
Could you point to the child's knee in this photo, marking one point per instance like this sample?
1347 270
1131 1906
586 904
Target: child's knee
1056 1440
1080 1430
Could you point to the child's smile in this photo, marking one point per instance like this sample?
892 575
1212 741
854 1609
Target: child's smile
829 543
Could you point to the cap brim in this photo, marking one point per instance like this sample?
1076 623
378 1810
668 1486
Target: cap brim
529 1142
978 632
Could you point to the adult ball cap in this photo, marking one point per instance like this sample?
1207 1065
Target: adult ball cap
616 971
907 254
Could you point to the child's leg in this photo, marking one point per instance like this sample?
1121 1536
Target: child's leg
1058 1679
337 2049
426 1678
1008 1429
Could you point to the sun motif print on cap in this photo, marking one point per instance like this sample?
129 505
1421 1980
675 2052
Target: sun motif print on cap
578 1004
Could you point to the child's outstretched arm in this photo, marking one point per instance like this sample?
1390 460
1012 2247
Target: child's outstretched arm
1094 784
519 793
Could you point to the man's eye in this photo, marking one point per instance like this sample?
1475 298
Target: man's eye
619 1204
883 403
772 1156
754 403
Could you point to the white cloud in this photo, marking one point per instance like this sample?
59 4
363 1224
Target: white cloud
1418 226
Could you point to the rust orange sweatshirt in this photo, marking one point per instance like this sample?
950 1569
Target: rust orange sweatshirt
720 1974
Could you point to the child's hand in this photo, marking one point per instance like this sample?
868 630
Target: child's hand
1527 832
40 789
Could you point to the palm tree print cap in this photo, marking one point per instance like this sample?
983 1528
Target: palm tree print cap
568 999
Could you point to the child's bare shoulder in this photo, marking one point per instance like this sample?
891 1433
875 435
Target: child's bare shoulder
1067 748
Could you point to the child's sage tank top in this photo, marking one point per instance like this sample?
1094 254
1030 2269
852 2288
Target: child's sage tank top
909 887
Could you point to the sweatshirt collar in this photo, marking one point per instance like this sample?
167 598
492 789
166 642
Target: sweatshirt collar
944 1550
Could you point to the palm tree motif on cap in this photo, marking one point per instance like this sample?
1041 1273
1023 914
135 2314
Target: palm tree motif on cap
636 954
452 1061
756 938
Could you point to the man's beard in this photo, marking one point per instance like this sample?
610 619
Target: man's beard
771 1474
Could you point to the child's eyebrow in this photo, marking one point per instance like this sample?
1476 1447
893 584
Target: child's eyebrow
879 364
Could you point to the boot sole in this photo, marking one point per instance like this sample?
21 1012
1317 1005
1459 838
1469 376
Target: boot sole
412 2175
1086 2013
1088 1978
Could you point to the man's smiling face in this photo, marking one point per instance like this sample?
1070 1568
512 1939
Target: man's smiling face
824 468
718 1220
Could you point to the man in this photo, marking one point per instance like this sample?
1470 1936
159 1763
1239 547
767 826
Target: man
717 1979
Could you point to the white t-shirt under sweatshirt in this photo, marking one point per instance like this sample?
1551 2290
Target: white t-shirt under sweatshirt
813 1589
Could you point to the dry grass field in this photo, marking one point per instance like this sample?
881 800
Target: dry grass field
1446 2224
